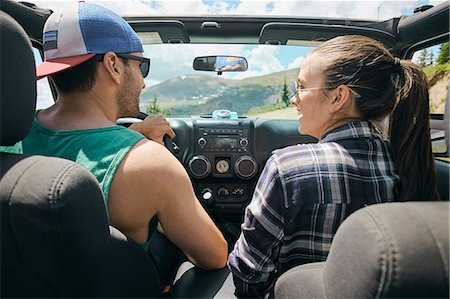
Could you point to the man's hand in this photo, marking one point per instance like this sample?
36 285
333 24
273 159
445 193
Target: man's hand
154 127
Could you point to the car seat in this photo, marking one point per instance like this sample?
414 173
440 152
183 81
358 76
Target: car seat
55 237
391 250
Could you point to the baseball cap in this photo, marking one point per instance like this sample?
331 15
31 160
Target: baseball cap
78 32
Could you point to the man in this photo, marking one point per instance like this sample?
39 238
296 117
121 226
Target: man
95 60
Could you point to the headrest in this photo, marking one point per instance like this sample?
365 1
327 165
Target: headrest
17 82
56 241
65 217
391 250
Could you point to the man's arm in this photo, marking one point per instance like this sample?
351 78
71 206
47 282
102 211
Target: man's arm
253 261
151 181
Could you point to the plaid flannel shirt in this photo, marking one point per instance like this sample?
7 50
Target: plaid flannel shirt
304 193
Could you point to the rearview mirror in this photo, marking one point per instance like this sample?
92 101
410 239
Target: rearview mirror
220 64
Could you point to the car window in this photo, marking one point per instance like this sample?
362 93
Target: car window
175 89
436 65
44 93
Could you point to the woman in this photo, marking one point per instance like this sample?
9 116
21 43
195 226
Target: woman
306 191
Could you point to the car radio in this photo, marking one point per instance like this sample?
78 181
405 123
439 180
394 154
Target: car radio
222 140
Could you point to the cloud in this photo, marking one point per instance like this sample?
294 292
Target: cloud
263 60
296 63
361 9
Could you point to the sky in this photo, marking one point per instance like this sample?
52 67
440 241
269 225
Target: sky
361 9
172 60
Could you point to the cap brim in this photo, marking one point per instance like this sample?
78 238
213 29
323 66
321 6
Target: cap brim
54 66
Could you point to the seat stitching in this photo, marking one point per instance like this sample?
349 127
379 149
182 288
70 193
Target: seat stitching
387 256
58 186
53 195
439 249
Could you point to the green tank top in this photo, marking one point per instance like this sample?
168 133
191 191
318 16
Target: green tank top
99 150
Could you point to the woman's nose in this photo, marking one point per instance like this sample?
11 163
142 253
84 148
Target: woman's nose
294 100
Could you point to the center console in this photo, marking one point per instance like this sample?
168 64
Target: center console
222 166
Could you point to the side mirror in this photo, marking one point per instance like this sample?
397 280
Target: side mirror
220 64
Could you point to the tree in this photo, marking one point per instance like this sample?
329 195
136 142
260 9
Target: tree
423 58
443 56
285 94
154 108
431 57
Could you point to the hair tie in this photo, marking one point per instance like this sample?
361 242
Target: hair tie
397 67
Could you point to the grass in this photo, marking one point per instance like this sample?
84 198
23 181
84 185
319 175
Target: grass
432 69
264 109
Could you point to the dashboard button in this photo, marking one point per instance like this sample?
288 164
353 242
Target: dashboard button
223 191
222 166
207 195
243 142
201 142
238 191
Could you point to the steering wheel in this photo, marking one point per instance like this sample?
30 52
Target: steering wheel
166 139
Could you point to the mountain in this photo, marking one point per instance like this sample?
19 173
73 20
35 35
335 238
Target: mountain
272 79
185 87
195 94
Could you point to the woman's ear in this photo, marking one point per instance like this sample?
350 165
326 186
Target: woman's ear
113 67
341 99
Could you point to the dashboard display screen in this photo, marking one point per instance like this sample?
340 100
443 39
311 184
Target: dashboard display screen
225 142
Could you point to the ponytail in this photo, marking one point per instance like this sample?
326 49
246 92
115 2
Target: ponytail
409 132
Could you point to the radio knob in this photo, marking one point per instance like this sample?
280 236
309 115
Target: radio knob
201 142
243 142
199 166
245 167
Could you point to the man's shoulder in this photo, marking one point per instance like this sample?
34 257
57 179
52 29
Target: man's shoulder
149 156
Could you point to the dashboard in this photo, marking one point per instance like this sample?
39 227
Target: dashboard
224 157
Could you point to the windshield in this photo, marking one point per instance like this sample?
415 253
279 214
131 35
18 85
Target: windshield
175 89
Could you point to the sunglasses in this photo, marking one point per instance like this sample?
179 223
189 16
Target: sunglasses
144 66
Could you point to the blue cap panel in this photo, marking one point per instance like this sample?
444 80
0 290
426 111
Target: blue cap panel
103 30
